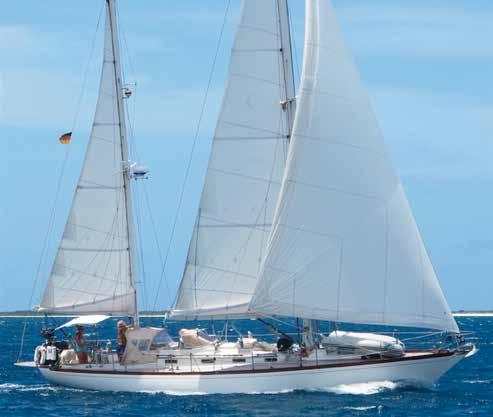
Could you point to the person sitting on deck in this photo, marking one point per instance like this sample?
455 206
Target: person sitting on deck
121 341
80 345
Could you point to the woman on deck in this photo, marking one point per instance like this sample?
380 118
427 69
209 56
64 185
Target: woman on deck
121 340
80 345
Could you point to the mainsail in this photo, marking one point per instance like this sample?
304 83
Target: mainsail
92 269
245 168
345 246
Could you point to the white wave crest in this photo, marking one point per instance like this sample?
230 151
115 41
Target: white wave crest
8 387
370 407
367 388
181 394
173 393
282 391
477 381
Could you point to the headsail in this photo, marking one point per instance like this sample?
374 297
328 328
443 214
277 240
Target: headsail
345 246
245 168
92 271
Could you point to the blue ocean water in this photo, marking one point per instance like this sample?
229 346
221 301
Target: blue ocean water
466 390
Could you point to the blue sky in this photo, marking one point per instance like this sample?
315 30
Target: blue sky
427 66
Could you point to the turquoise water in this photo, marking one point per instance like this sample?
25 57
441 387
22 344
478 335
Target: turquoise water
466 390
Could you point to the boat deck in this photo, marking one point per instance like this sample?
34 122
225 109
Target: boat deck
186 365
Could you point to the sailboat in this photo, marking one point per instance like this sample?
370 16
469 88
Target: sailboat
301 216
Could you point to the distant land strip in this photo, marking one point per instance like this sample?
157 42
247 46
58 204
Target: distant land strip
162 313
34 314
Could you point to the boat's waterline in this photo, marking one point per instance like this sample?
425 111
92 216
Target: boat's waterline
422 370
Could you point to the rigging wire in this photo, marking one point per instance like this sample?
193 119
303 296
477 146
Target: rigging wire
140 245
139 215
44 249
156 238
86 71
128 56
135 152
51 220
194 143
130 117
293 38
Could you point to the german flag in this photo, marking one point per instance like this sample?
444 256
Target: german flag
66 138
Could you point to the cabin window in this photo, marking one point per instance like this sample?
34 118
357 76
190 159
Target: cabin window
143 345
204 335
161 339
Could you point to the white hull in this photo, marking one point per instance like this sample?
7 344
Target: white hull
420 371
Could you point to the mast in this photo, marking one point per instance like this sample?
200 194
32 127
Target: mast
289 103
289 106
124 151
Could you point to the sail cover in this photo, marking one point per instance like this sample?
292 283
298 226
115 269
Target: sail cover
91 269
244 173
345 246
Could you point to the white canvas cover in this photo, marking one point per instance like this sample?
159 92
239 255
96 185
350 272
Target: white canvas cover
357 339
193 338
139 343
91 269
345 246
85 320
244 173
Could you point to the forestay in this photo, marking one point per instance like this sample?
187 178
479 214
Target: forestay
91 270
345 245
245 169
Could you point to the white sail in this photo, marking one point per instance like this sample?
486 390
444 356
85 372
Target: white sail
91 272
345 245
245 169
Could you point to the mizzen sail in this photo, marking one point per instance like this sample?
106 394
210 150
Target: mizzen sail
92 269
245 168
345 246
